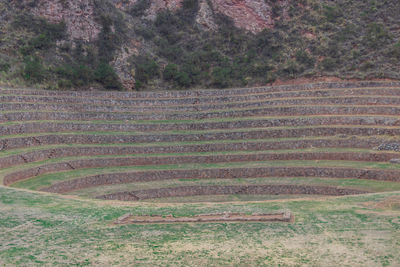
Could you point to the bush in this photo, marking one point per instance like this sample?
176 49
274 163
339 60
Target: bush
221 77
395 51
106 75
33 71
46 33
183 79
108 41
291 69
140 8
190 4
146 32
146 69
170 72
332 13
188 10
77 75
53 31
376 35
4 66
304 58
329 64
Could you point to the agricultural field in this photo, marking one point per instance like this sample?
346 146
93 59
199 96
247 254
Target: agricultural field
75 165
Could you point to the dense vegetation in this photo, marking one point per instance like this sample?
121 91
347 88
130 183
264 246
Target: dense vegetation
343 38
348 39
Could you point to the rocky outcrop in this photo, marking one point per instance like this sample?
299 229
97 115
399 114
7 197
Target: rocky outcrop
155 6
121 66
158 5
205 16
251 15
77 15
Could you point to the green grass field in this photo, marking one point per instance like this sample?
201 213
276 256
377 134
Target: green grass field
41 229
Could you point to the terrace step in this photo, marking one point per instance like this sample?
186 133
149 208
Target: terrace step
220 173
199 101
24 156
358 184
230 190
206 92
48 136
165 160
96 138
257 112
51 127
196 105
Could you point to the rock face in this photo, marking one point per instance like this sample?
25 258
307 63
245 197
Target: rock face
251 15
158 5
77 15
155 6
122 68
205 16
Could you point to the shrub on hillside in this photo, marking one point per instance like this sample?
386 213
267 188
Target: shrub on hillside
76 74
304 58
4 66
170 72
395 51
221 77
106 75
332 13
376 35
140 8
33 70
146 69
329 64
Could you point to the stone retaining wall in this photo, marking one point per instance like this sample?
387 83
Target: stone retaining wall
185 191
147 105
207 92
271 111
45 154
192 104
21 142
165 160
49 127
222 173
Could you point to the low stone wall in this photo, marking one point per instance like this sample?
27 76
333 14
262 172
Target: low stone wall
185 191
206 92
270 111
190 104
212 217
222 173
45 154
50 127
20 142
165 160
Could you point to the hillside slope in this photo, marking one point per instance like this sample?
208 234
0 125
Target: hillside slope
160 44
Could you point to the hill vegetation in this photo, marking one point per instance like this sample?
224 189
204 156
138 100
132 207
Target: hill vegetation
347 39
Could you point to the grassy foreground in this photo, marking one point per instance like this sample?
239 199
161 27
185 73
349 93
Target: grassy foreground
41 229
